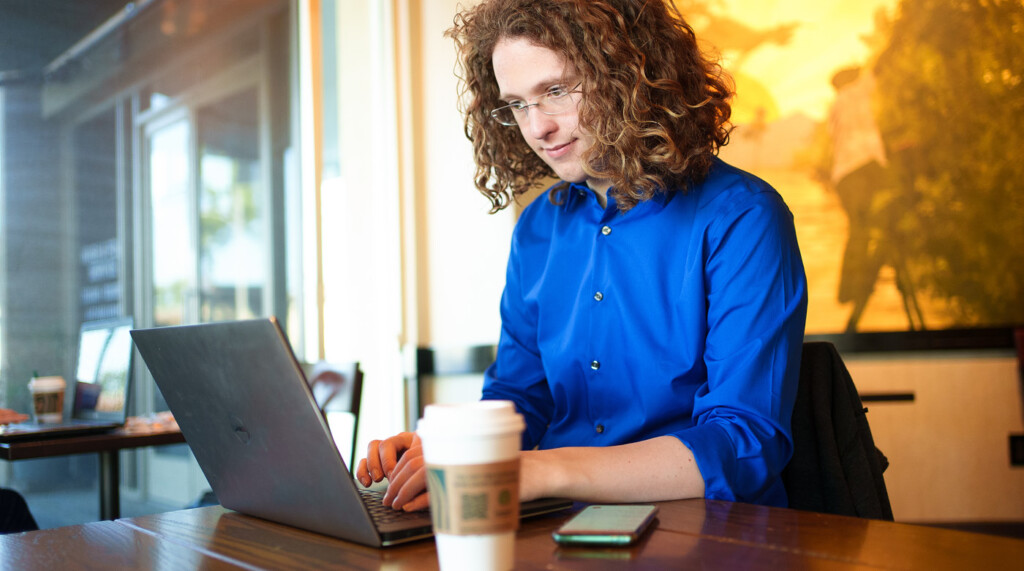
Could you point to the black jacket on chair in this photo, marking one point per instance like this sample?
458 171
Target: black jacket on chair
836 467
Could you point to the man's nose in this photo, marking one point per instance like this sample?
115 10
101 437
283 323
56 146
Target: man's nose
540 125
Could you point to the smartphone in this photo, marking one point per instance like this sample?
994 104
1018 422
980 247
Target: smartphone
606 525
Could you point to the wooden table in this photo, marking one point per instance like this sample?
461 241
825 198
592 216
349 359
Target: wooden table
107 445
699 534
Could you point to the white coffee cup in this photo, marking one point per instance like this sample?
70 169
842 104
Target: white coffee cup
471 453
47 398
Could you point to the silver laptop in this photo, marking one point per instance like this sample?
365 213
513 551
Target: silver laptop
247 412
99 390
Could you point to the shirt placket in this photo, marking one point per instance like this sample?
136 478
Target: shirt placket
600 298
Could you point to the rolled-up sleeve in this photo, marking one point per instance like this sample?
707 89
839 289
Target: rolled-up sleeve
756 310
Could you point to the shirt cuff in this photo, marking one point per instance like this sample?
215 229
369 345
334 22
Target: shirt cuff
726 476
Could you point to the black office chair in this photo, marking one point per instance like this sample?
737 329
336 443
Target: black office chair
434 364
836 467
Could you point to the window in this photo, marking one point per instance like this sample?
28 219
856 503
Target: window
150 178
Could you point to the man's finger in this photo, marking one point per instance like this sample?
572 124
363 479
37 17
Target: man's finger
420 502
363 474
412 481
392 449
373 463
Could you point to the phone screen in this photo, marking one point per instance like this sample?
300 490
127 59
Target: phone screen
606 525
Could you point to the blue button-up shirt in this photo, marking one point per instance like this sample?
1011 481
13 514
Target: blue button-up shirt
683 316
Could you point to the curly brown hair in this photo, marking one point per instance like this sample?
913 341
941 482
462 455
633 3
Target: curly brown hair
656 106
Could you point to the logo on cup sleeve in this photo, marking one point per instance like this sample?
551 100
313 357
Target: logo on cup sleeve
474 499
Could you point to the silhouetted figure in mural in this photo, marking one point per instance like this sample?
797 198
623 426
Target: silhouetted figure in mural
858 172
729 34
863 181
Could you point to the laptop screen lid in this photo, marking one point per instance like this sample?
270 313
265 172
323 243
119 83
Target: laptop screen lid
98 390
240 398
103 371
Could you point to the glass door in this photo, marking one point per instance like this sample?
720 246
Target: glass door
208 250
172 252
234 245
169 259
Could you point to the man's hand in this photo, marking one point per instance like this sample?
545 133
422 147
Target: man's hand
400 460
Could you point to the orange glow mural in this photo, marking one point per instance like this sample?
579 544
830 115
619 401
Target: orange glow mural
893 129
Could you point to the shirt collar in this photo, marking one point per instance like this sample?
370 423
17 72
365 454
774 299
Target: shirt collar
577 192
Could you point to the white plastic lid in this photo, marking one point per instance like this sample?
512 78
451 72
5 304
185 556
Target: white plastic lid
480 418
46 384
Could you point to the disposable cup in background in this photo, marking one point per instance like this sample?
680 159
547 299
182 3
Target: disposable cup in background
472 456
47 399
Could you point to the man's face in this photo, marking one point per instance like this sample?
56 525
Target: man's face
526 71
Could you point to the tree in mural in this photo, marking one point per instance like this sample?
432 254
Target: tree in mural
950 108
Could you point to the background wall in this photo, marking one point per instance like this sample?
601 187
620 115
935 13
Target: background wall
463 249
949 448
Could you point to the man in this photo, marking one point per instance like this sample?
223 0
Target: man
653 312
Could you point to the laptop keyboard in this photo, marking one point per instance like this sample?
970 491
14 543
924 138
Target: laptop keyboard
382 513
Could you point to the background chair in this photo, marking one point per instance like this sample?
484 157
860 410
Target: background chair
446 374
836 467
338 390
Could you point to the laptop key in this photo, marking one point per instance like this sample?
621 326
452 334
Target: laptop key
373 499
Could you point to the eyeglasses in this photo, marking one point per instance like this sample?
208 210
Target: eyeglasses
555 101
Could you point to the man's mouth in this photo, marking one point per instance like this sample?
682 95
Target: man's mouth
558 151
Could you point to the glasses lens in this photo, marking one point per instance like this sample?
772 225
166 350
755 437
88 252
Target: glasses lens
557 101
551 103
504 115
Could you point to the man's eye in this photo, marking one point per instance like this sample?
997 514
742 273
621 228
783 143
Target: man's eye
517 105
558 91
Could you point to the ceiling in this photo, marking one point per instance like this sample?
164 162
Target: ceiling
34 32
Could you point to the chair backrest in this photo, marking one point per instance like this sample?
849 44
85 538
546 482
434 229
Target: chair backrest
836 467
338 389
435 366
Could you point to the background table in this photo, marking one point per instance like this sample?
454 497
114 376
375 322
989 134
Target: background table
107 445
699 534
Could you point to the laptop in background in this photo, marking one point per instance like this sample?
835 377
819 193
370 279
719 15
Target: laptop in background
99 390
246 410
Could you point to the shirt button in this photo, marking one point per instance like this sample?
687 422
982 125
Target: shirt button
606 230
598 296
599 428
595 365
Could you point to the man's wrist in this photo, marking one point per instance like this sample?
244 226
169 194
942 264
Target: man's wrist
548 473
